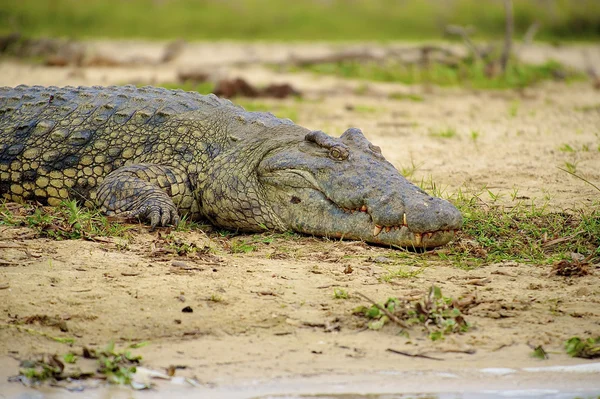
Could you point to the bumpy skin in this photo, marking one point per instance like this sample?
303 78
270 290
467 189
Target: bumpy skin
159 154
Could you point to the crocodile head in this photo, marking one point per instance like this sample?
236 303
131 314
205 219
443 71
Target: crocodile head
334 187
345 188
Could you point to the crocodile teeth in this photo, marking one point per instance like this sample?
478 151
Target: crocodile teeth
377 230
387 229
404 219
418 237
363 208
429 235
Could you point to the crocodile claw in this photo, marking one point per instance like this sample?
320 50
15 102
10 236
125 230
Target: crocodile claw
158 214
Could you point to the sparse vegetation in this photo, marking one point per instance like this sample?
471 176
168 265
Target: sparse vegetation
523 232
571 167
409 171
401 273
215 298
436 314
407 96
240 246
469 73
447 133
282 20
586 348
200 87
566 148
185 224
539 353
67 221
179 247
276 108
116 367
492 232
340 293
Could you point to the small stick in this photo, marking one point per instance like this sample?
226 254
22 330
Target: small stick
579 177
561 239
385 311
466 351
412 354
531 31
464 34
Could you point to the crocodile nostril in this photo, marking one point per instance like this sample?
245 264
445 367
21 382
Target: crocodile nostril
295 200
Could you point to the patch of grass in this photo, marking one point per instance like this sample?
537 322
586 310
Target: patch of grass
240 246
573 149
401 273
522 232
364 109
571 167
65 222
407 96
117 367
474 135
566 148
586 348
409 171
31 331
215 298
70 358
180 247
185 225
340 293
37 371
539 353
436 314
469 74
447 133
276 109
201 87
302 20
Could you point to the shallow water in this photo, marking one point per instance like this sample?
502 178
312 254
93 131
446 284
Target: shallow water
556 382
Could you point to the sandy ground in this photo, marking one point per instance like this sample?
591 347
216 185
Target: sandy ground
275 318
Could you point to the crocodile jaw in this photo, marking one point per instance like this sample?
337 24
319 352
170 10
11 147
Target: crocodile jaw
309 211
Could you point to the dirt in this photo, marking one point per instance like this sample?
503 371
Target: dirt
271 313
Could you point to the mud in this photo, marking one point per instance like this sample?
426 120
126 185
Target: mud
269 314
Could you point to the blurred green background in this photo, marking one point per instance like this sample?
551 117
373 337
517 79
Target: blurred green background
329 20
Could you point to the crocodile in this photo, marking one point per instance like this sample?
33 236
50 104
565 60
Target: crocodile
157 154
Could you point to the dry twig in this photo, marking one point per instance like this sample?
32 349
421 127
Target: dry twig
384 310
412 354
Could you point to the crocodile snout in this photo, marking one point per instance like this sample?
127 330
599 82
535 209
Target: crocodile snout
431 214
413 213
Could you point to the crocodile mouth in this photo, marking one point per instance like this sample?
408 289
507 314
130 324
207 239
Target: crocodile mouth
302 206
386 233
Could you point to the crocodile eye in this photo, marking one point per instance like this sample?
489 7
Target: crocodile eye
375 149
337 153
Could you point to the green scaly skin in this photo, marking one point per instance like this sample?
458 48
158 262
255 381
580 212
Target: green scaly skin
159 154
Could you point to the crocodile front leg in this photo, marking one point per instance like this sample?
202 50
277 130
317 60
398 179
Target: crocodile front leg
152 192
